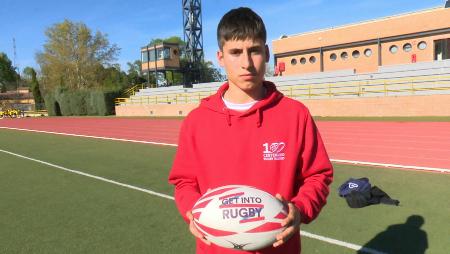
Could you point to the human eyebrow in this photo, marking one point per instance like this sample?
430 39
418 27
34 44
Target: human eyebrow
235 51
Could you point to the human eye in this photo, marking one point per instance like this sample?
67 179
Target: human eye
255 51
235 52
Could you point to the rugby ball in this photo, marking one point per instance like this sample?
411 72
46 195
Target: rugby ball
239 217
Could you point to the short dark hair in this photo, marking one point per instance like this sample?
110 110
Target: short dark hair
240 24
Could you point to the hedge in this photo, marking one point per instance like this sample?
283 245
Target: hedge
62 102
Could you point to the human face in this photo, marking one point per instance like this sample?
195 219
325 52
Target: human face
244 62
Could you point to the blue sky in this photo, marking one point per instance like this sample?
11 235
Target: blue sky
132 24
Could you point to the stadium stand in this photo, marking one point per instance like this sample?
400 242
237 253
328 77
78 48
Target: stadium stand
424 78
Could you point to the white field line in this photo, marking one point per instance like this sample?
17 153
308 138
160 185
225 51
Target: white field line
89 175
304 233
341 243
385 165
88 136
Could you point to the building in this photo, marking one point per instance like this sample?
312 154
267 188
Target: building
160 58
420 36
21 99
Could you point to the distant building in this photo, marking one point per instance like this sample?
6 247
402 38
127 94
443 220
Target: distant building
406 38
21 99
160 58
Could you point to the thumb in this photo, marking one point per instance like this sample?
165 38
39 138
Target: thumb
279 197
189 215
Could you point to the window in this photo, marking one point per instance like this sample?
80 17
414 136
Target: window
312 59
152 55
344 55
422 45
333 57
368 52
293 61
163 53
144 57
442 49
407 47
393 49
355 54
302 60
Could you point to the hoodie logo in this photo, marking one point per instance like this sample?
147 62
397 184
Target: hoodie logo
274 151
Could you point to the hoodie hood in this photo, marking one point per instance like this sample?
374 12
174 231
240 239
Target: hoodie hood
216 104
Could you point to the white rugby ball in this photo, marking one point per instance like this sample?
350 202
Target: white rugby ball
239 217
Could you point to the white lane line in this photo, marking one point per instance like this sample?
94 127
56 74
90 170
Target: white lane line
385 165
304 233
365 163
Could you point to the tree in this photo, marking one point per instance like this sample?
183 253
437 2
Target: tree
113 78
30 76
74 57
209 73
269 71
172 39
8 75
135 75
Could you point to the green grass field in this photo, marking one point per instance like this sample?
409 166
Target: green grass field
44 209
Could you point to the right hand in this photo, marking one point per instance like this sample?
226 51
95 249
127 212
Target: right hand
194 229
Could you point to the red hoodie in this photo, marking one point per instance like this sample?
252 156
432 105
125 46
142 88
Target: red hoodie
274 146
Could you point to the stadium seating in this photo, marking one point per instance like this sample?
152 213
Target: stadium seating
397 80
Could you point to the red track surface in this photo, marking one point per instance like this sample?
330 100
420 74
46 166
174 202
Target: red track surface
423 144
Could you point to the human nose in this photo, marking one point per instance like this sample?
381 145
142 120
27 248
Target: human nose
246 60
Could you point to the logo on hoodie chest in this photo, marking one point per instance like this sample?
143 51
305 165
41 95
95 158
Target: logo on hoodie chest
274 151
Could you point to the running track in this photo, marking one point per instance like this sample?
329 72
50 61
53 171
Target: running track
421 144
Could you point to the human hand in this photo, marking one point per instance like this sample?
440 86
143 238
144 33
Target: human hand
194 229
291 222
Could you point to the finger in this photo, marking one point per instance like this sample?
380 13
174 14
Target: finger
279 197
277 243
197 234
284 236
205 241
290 217
195 231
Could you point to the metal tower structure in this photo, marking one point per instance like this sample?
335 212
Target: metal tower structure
192 24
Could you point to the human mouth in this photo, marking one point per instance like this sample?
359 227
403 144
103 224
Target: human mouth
247 76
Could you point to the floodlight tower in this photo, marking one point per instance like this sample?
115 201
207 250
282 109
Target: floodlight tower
192 23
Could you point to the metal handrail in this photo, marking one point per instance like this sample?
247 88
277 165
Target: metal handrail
409 85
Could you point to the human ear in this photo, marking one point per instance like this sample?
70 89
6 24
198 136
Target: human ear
267 53
220 57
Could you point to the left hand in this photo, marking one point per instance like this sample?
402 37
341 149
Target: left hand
291 222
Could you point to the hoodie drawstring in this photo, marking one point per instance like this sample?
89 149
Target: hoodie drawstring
228 116
259 117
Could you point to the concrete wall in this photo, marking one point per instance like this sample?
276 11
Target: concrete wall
429 105
155 110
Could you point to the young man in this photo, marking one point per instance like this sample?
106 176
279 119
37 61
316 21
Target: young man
248 133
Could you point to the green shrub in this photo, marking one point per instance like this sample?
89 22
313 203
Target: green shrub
80 102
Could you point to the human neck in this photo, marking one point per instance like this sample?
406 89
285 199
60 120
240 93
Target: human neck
235 94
